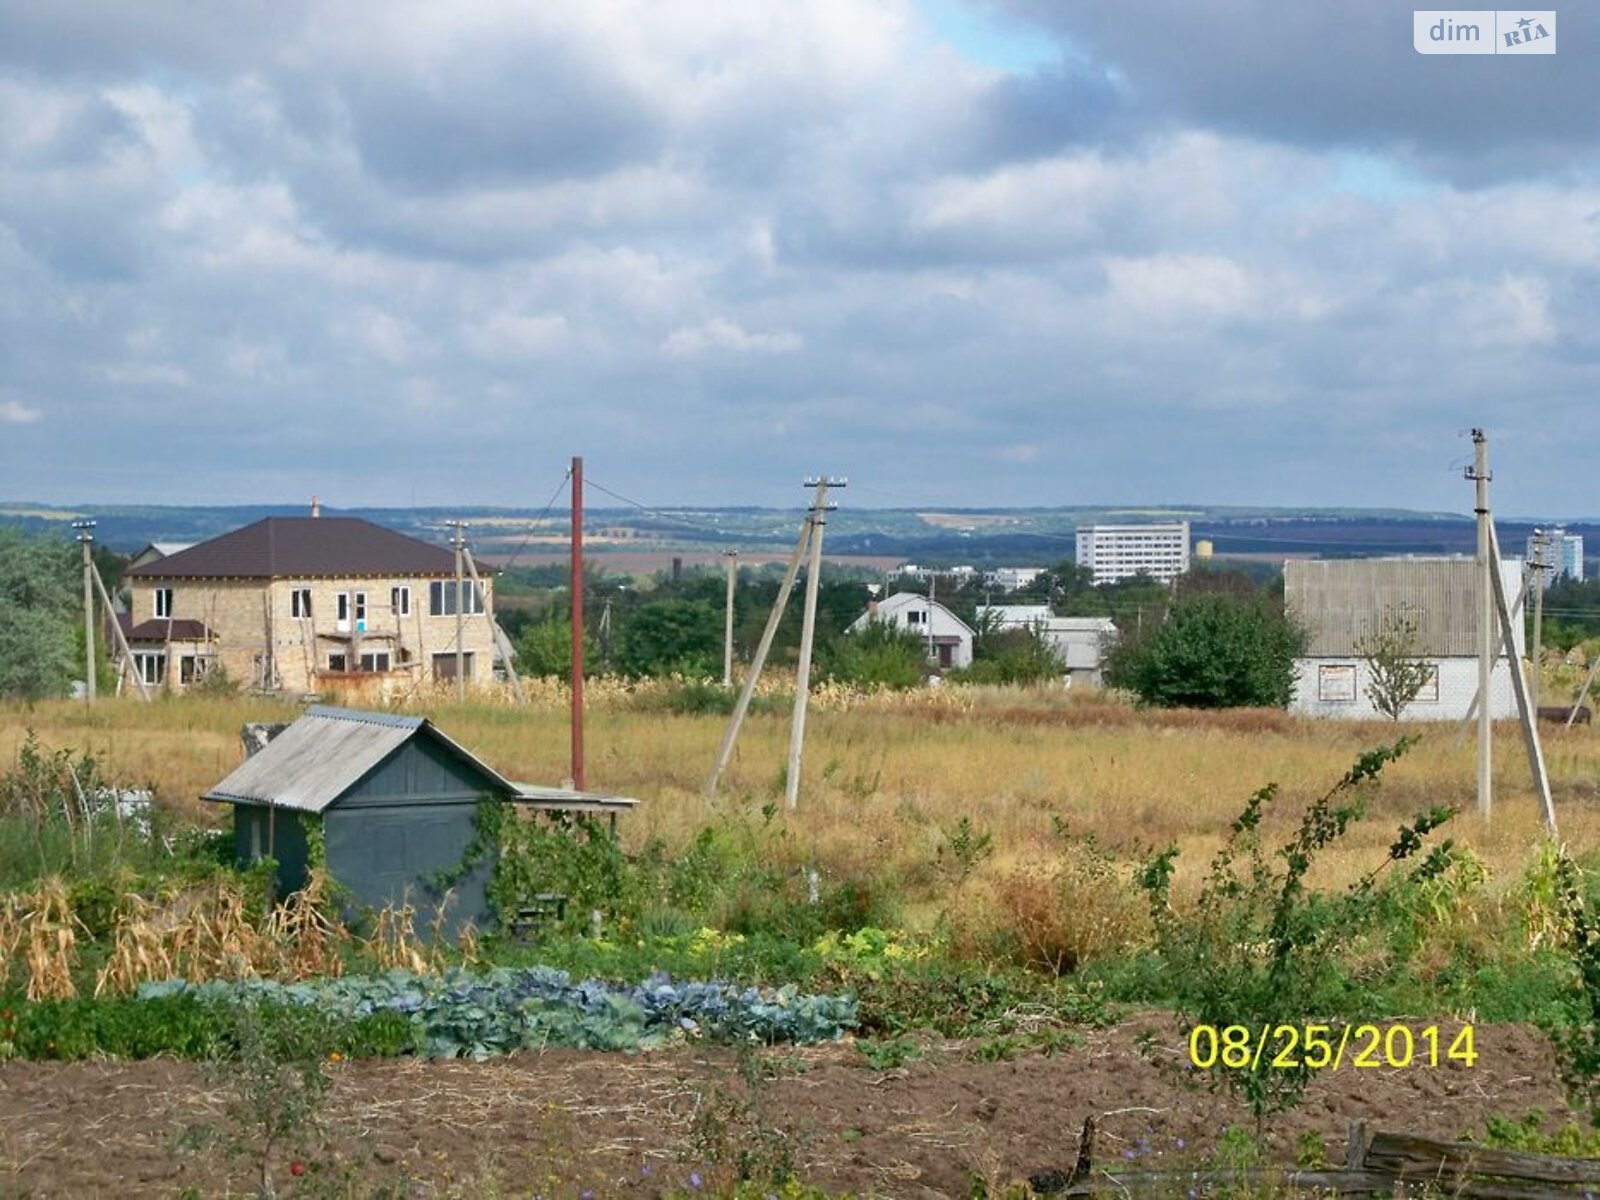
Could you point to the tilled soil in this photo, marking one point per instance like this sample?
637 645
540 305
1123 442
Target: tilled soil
564 1123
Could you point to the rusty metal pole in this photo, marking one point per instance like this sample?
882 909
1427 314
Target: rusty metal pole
577 622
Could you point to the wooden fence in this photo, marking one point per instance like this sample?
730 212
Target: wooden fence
1376 1164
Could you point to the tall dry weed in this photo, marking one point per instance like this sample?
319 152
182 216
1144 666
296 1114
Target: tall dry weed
47 934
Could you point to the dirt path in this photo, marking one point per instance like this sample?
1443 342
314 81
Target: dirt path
561 1123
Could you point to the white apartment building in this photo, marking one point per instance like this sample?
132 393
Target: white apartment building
1115 552
1563 555
1009 579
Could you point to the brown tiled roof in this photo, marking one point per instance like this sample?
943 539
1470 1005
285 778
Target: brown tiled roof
155 630
303 547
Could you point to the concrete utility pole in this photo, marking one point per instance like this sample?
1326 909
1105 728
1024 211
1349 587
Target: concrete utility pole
577 622
808 629
86 540
1479 474
498 635
753 675
459 542
730 559
1525 713
122 641
1541 542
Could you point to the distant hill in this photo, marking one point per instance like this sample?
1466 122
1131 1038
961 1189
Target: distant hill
934 537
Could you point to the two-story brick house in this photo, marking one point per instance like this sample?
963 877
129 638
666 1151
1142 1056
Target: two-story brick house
302 603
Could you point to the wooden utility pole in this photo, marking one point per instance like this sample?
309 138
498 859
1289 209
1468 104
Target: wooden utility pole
577 622
1541 540
808 631
1488 574
731 735
730 559
1525 713
459 542
86 540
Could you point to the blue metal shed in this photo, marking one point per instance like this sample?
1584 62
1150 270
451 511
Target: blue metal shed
394 801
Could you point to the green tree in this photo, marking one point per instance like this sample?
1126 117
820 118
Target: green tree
1214 650
545 649
662 637
879 654
39 593
1013 656
1395 675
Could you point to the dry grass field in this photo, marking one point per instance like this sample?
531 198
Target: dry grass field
887 777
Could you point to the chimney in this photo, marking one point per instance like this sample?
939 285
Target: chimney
316 507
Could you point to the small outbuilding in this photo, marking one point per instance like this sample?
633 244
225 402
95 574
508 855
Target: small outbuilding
392 801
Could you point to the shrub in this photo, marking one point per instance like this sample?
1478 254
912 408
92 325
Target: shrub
878 655
1213 651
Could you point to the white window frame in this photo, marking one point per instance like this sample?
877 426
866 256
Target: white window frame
442 598
300 604
359 609
150 666
343 662
341 611
1429 692
370 661
163 603
400 600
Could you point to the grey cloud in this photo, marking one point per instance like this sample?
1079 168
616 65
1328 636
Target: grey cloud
1343 74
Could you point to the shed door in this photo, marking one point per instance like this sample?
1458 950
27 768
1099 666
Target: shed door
391 855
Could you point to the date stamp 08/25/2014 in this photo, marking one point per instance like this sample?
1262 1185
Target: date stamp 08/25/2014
1326 1047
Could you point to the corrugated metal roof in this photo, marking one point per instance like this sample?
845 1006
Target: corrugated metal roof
301 548
1341 601
159 629
326 752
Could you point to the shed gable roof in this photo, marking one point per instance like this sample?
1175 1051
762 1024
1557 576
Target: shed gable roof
324 754
298 547
1341 601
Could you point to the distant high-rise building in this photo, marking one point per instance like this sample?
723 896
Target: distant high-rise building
1563 555
1115 552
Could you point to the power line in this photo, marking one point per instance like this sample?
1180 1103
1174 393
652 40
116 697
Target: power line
655 512
534 524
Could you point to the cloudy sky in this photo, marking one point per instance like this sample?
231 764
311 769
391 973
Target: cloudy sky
964 252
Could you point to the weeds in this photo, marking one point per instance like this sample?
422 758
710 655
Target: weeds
1261 947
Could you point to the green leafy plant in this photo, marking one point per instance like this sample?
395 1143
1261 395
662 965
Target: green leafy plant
1262 948
1578 1043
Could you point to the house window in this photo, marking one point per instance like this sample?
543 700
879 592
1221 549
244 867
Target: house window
151 666
442 598
192 668
914 617
375 662
163 602
1336 683
400 601
300 604
1429 692
341 605
337 662
361 610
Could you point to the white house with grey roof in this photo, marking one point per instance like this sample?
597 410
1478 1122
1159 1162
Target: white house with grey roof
947 637
1340 602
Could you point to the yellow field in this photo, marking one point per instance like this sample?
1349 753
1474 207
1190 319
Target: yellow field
886 777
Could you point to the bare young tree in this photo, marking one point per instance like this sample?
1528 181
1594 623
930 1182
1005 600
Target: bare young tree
1395 673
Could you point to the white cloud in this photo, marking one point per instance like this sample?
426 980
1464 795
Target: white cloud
722 334
15 412
504 335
